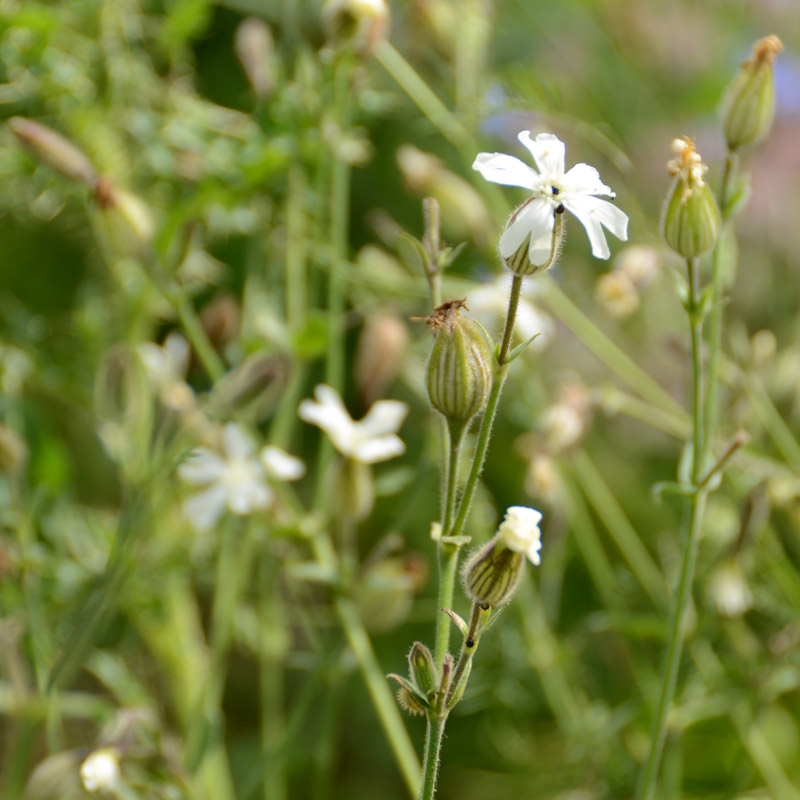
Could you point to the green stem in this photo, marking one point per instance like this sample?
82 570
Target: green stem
196 333
433 746
380 693
695 518
716 315
468 649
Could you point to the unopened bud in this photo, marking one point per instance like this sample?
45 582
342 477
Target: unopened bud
13 451
53 149
423 670
379 356
459 375
123 219
691 218
256 53
409 702
491 576
749 103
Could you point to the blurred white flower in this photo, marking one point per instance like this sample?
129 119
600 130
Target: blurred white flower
371 439
166 367
520 532
553 191
236 480
488 304
617 294
100 771
729 590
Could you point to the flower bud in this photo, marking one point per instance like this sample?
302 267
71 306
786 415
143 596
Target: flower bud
459 375
423 670
492 574
100 771
255 50
363 23
409 702
691 218
379 355
123 219
749 103
53 149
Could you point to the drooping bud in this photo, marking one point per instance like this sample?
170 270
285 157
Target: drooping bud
691 219
749 103
123 220
492 574
423 670
53 149
459 375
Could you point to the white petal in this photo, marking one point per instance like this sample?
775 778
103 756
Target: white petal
593 214
205 508
535 219
201 467
506 170
532 553
329 414
178 349
249 497
583 179
385 416
548 153
381 448
235 443
279 464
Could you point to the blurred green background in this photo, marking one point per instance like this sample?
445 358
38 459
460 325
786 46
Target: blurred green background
231 122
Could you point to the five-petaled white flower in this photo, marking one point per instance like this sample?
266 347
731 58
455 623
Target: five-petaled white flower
100 771
520 532
553 191
371 439
237 479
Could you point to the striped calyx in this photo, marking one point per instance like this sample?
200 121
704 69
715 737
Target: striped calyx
459 375
691 219
750 100
491 576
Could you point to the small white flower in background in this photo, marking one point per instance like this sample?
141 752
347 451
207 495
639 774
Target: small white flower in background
100 771
371 439
617 294
520 532
729 590
553 189
237 479
166 367
488 304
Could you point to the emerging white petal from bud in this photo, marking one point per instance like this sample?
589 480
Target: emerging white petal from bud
520 532
100 771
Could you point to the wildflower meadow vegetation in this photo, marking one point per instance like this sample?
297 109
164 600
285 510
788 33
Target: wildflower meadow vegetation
399 399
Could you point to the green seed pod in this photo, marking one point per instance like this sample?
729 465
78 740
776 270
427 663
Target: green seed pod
750 100
459 375
492 575
423 670
691 219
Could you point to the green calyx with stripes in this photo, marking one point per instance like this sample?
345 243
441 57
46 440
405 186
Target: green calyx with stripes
459 375
492 574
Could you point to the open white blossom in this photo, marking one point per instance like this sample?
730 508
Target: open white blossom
520 532
237 479
100 771
553 191
373 438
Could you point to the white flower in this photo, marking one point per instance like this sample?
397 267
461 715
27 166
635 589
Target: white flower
166 367
553 189
100 771
520 532
730 592
488 304
371 439
237 479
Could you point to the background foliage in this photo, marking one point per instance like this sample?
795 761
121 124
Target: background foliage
248 184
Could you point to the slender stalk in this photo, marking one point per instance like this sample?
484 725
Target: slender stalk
715 318
683 595
197 335
433 746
